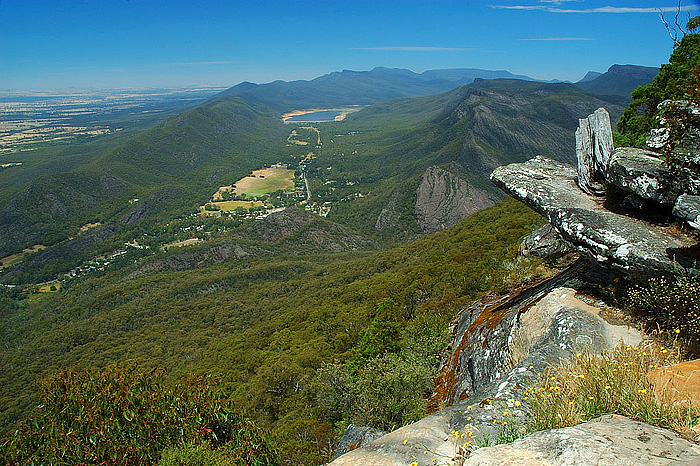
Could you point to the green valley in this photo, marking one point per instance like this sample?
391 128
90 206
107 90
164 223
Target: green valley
301 263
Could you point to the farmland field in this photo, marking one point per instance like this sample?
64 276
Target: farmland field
266 181
226 206
184 242
13 259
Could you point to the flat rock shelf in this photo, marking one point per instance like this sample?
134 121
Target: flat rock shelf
638 248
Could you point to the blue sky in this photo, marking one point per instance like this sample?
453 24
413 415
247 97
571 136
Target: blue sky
147 43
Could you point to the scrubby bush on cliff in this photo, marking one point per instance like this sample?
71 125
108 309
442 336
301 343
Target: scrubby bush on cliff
122 415
389 375
671 305
677 80
382 336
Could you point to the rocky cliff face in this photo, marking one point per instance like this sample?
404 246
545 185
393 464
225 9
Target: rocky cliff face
635 240
444 198
501 343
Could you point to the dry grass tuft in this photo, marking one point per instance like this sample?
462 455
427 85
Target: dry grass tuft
615 382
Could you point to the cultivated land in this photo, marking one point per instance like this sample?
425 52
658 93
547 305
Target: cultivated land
227 206
28 121
265 181
179 244
15 258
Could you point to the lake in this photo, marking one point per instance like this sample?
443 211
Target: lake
323 115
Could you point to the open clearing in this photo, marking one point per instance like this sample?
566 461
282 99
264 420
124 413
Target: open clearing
87 226
47 287
266 181
293 139
184 242
14 258
259 183
226 206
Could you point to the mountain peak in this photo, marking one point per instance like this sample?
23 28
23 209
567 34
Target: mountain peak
619 80
590 76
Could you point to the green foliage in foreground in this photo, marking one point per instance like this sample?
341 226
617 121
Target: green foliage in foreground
267 324
382 336
677 79
672 305
122 415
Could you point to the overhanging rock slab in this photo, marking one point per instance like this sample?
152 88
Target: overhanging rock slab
642 173
614 240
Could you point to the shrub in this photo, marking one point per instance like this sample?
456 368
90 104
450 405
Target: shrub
122 415
676 80
613 383
192 455
670 304
391 391
382 336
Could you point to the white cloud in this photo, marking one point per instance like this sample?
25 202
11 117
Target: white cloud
604 9
558 39
418 49
200 63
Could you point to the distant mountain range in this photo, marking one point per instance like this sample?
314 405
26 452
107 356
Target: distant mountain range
362 87
380 84
618 80
590 76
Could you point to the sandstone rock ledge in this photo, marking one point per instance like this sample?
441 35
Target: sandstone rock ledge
609 440
614 240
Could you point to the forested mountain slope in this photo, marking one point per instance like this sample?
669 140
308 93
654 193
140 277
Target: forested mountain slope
466 132
392 171
620 80
169 168
265 315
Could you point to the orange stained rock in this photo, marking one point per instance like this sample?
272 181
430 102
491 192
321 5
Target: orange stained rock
679 382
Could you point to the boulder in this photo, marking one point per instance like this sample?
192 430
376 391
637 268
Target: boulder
594 144
496 340
609 440
354 437
644 174
640 249
687 207
544 242
679 382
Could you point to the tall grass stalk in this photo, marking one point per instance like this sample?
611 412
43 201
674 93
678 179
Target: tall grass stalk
615 382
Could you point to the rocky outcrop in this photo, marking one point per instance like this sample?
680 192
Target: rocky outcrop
495 340
644 174
614 240
354 437
687 207
500 345
544 242
631 242
444 198
680 131
607 441
594 145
